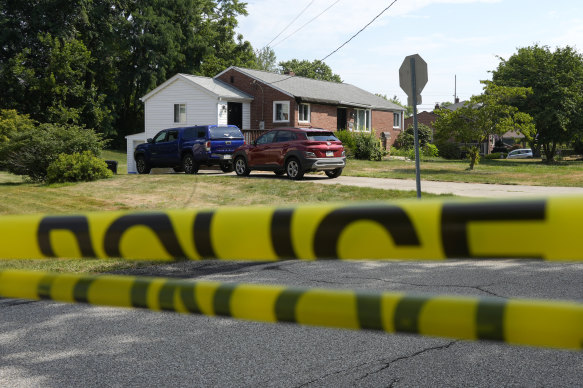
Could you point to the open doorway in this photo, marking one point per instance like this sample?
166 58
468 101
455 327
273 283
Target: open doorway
235 114
341 119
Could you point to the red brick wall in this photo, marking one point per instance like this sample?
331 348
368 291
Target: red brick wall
427 118
262 105
321 116
383 122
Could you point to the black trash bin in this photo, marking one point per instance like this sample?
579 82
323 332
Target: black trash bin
112 165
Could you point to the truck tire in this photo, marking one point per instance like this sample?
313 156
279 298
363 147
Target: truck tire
142 166
226 166
189 165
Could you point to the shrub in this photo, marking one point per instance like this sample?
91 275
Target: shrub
495 155
367 146
449 150
30 152
406 139
77 167
347 140
430 150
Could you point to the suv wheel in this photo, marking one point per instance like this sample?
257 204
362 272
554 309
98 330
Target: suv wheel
241 167
333 173
226 167
142 165
294 169
189 165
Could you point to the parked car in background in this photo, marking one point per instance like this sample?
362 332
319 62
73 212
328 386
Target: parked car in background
521 153
292 151
188 148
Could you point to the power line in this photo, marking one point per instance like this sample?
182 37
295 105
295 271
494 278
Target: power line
362 29
290 23
305 24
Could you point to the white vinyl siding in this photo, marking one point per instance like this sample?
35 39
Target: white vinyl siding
201 108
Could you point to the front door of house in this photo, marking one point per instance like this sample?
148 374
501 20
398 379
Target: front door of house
341 119
235 114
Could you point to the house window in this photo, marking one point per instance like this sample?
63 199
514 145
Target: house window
304 113
362 120
396 119
281 111
179 113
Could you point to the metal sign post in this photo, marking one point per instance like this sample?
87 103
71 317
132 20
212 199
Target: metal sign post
412 78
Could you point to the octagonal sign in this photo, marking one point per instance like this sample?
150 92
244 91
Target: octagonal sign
406 81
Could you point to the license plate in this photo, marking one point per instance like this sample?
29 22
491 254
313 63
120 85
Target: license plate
226 156
329 153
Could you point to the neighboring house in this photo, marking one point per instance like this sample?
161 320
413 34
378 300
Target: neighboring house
425 118
257 100
286 100
186 100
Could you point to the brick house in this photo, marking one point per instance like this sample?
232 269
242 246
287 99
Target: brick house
286 100
257 101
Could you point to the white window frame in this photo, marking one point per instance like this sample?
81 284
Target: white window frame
181 115
367 117
282 103
309 114
397 116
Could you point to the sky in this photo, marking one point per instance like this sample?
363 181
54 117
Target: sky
461 41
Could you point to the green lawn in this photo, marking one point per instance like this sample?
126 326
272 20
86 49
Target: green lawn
501 171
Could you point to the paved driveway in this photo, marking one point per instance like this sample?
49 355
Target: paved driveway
462 189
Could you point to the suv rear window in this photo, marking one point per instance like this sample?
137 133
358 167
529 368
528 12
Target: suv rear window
218 133
322 136
190 134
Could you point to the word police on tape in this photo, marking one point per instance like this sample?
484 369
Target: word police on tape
543 228
524 322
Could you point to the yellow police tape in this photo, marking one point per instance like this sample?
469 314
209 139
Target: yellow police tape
556 324
549 229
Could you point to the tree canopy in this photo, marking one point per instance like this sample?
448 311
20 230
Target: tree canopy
487 114
556 101
304 68
87 63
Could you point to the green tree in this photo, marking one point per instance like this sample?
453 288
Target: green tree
265 59
119 50
12 123
50 84
487 114
406 139
556 104
316 70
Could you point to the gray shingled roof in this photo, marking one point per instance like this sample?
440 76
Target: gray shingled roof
217 87
311 90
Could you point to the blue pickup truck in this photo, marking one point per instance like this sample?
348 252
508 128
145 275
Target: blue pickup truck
188 148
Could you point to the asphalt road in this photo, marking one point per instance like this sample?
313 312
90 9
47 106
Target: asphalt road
46 344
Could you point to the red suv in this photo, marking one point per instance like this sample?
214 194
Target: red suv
294 151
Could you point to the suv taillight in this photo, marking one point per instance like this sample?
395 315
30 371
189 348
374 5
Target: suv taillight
208 146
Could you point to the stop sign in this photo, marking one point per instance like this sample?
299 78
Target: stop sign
406 80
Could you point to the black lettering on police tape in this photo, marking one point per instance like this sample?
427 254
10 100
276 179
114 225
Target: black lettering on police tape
407 313
455 219
159 223
490 319
394 219
78 225
202 235
281 234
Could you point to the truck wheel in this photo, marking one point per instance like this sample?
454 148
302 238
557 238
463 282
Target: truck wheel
241 167
227 167
333 173
142 166
294 169
189 165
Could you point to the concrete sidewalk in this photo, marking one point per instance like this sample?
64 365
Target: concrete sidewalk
462 189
